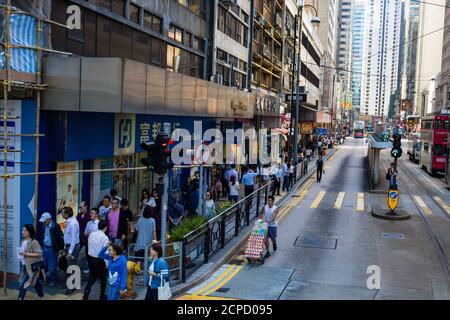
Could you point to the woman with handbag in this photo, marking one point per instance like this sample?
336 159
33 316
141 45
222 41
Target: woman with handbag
158 284
32 262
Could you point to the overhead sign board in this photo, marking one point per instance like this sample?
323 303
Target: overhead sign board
302 97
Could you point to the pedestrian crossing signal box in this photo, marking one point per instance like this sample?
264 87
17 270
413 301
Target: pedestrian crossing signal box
393 199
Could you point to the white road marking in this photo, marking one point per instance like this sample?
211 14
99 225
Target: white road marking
429 180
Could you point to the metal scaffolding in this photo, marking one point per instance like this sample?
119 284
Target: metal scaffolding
8 83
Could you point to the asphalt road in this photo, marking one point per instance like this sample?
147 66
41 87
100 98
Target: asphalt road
329 244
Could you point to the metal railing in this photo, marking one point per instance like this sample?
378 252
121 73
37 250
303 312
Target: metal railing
202 243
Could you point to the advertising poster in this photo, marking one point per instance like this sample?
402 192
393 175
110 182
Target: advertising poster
67 192
20 190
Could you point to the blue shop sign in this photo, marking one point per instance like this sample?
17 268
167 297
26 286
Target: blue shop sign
148 126
321 132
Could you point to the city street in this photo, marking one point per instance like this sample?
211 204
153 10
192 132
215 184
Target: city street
338 212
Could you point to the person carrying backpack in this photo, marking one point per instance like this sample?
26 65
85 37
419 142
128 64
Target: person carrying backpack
52 241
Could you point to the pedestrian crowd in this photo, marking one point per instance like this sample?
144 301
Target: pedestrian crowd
102 233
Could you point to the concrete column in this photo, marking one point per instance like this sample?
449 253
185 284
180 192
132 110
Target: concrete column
376 164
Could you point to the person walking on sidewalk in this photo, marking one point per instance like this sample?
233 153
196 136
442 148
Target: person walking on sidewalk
97 266
105 208
158 270
117 270
270 216
83 218
286 166
234 189
52 244
248 180
71 240
319 164
93 224
308 154
30 254
113 221
277 179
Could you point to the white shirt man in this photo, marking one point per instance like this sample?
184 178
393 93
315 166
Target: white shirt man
97 240
93 224
72 234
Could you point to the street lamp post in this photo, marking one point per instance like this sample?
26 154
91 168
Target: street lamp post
299 19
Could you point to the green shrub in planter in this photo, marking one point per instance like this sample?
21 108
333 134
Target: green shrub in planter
187 226
224 206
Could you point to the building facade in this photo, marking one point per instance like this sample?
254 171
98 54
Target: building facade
381 53
358 12
408 83
429 62
443 91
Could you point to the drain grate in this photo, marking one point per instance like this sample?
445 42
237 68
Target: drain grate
393 236
313 242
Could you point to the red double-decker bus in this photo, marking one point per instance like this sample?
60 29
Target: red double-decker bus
434 143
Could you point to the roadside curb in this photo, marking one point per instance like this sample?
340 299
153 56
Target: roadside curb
385 215
182 288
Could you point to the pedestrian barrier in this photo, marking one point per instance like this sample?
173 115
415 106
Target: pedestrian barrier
173 257
201 244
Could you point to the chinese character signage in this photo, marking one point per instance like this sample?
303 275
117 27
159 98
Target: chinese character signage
20 195
124 134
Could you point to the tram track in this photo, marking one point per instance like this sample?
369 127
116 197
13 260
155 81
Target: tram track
432 233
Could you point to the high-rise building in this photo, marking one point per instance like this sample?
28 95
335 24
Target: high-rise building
231 44
344 37
411 22
429 61
443 96
357 51
381 53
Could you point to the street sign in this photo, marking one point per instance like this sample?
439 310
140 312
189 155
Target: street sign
321 132
302 97
393 199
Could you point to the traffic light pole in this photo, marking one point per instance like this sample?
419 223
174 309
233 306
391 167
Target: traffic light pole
164 205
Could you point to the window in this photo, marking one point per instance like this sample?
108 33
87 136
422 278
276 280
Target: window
120 41
438 150
158 52
118 7
134 13
175 34
90 30
195 6
141 47
102 3
222 55
198 44
152 22
103 31
188 39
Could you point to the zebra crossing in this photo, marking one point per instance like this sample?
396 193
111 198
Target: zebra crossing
338 200
324 199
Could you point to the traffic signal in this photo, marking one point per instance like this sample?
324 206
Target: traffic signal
159 154
397 151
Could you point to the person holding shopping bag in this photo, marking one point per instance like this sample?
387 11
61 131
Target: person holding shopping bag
158 283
